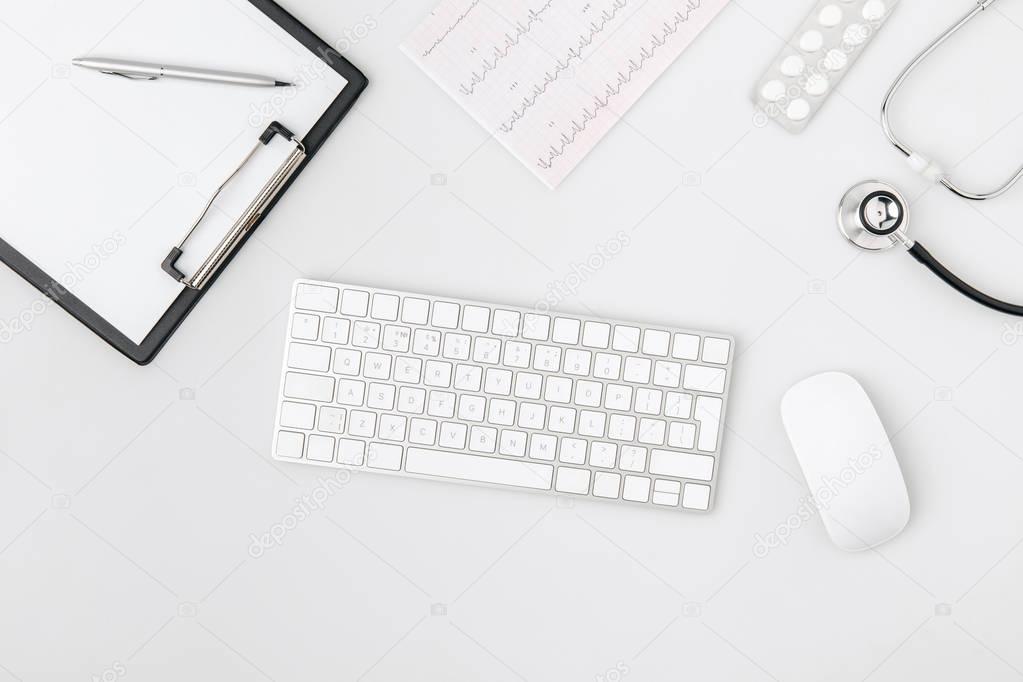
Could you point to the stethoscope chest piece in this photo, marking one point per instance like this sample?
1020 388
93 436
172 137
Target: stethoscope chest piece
874 216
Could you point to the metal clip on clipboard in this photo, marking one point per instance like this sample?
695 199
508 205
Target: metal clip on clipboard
234 237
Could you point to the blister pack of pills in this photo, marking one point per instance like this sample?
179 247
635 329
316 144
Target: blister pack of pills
814 62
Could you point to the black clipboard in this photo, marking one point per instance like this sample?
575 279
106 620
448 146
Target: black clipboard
144 353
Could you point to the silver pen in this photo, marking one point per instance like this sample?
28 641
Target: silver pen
149 72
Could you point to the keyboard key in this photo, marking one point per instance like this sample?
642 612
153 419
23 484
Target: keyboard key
332 419
468 378
305 327
362 423
686 347
705 379
678 405
347 362
633 459
354 303
648 401
637 370
572 451
385 307
472 408
667 374
441 404
351 452
532 416
651 431
315 297
480 469
381 397
501 412
366 334
607 366
528 385
681 465
415 311
411 400
596 334
308 387
312 358
603 455
336 330
542 447
426 342
498 381
591 424
422 431
656 342
351 392
577 362
618 397
516 354
476 319
396 339
378 366
513 443
682 435
487 351
320 449
561 420
298 415
575 481
290 444
606 485
483 439
456 346
708 414
566 331
393 427
506 323
622 427
536 327
588 393
445 315
626 339
408 370
696 496
558 390
383 456
637 489
453 435
547 358
716 350
438 374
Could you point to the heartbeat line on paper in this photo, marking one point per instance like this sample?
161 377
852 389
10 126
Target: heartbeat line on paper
458 22
550 78
574 53
501 52
600 103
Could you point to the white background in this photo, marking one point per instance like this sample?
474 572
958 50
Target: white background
128 495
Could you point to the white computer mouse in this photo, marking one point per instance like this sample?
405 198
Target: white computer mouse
847 459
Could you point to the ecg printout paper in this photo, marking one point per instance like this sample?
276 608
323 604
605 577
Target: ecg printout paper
550 78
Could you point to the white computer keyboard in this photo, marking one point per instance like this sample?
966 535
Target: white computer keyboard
426 387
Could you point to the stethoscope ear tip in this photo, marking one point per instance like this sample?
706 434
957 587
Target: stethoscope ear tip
874 216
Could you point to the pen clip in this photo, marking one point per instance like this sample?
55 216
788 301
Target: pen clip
129 76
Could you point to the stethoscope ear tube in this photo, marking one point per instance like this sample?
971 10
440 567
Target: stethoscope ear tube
924 256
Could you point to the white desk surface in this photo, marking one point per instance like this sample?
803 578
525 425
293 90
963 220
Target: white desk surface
128 496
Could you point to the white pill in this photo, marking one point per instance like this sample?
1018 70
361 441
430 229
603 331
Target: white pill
873 10
773 90
856 34
817 84
831 15
798 110
811 41
793 65
835 60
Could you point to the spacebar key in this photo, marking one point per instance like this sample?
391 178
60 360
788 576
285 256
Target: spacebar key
480 469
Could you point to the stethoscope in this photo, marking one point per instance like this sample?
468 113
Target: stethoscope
874 216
